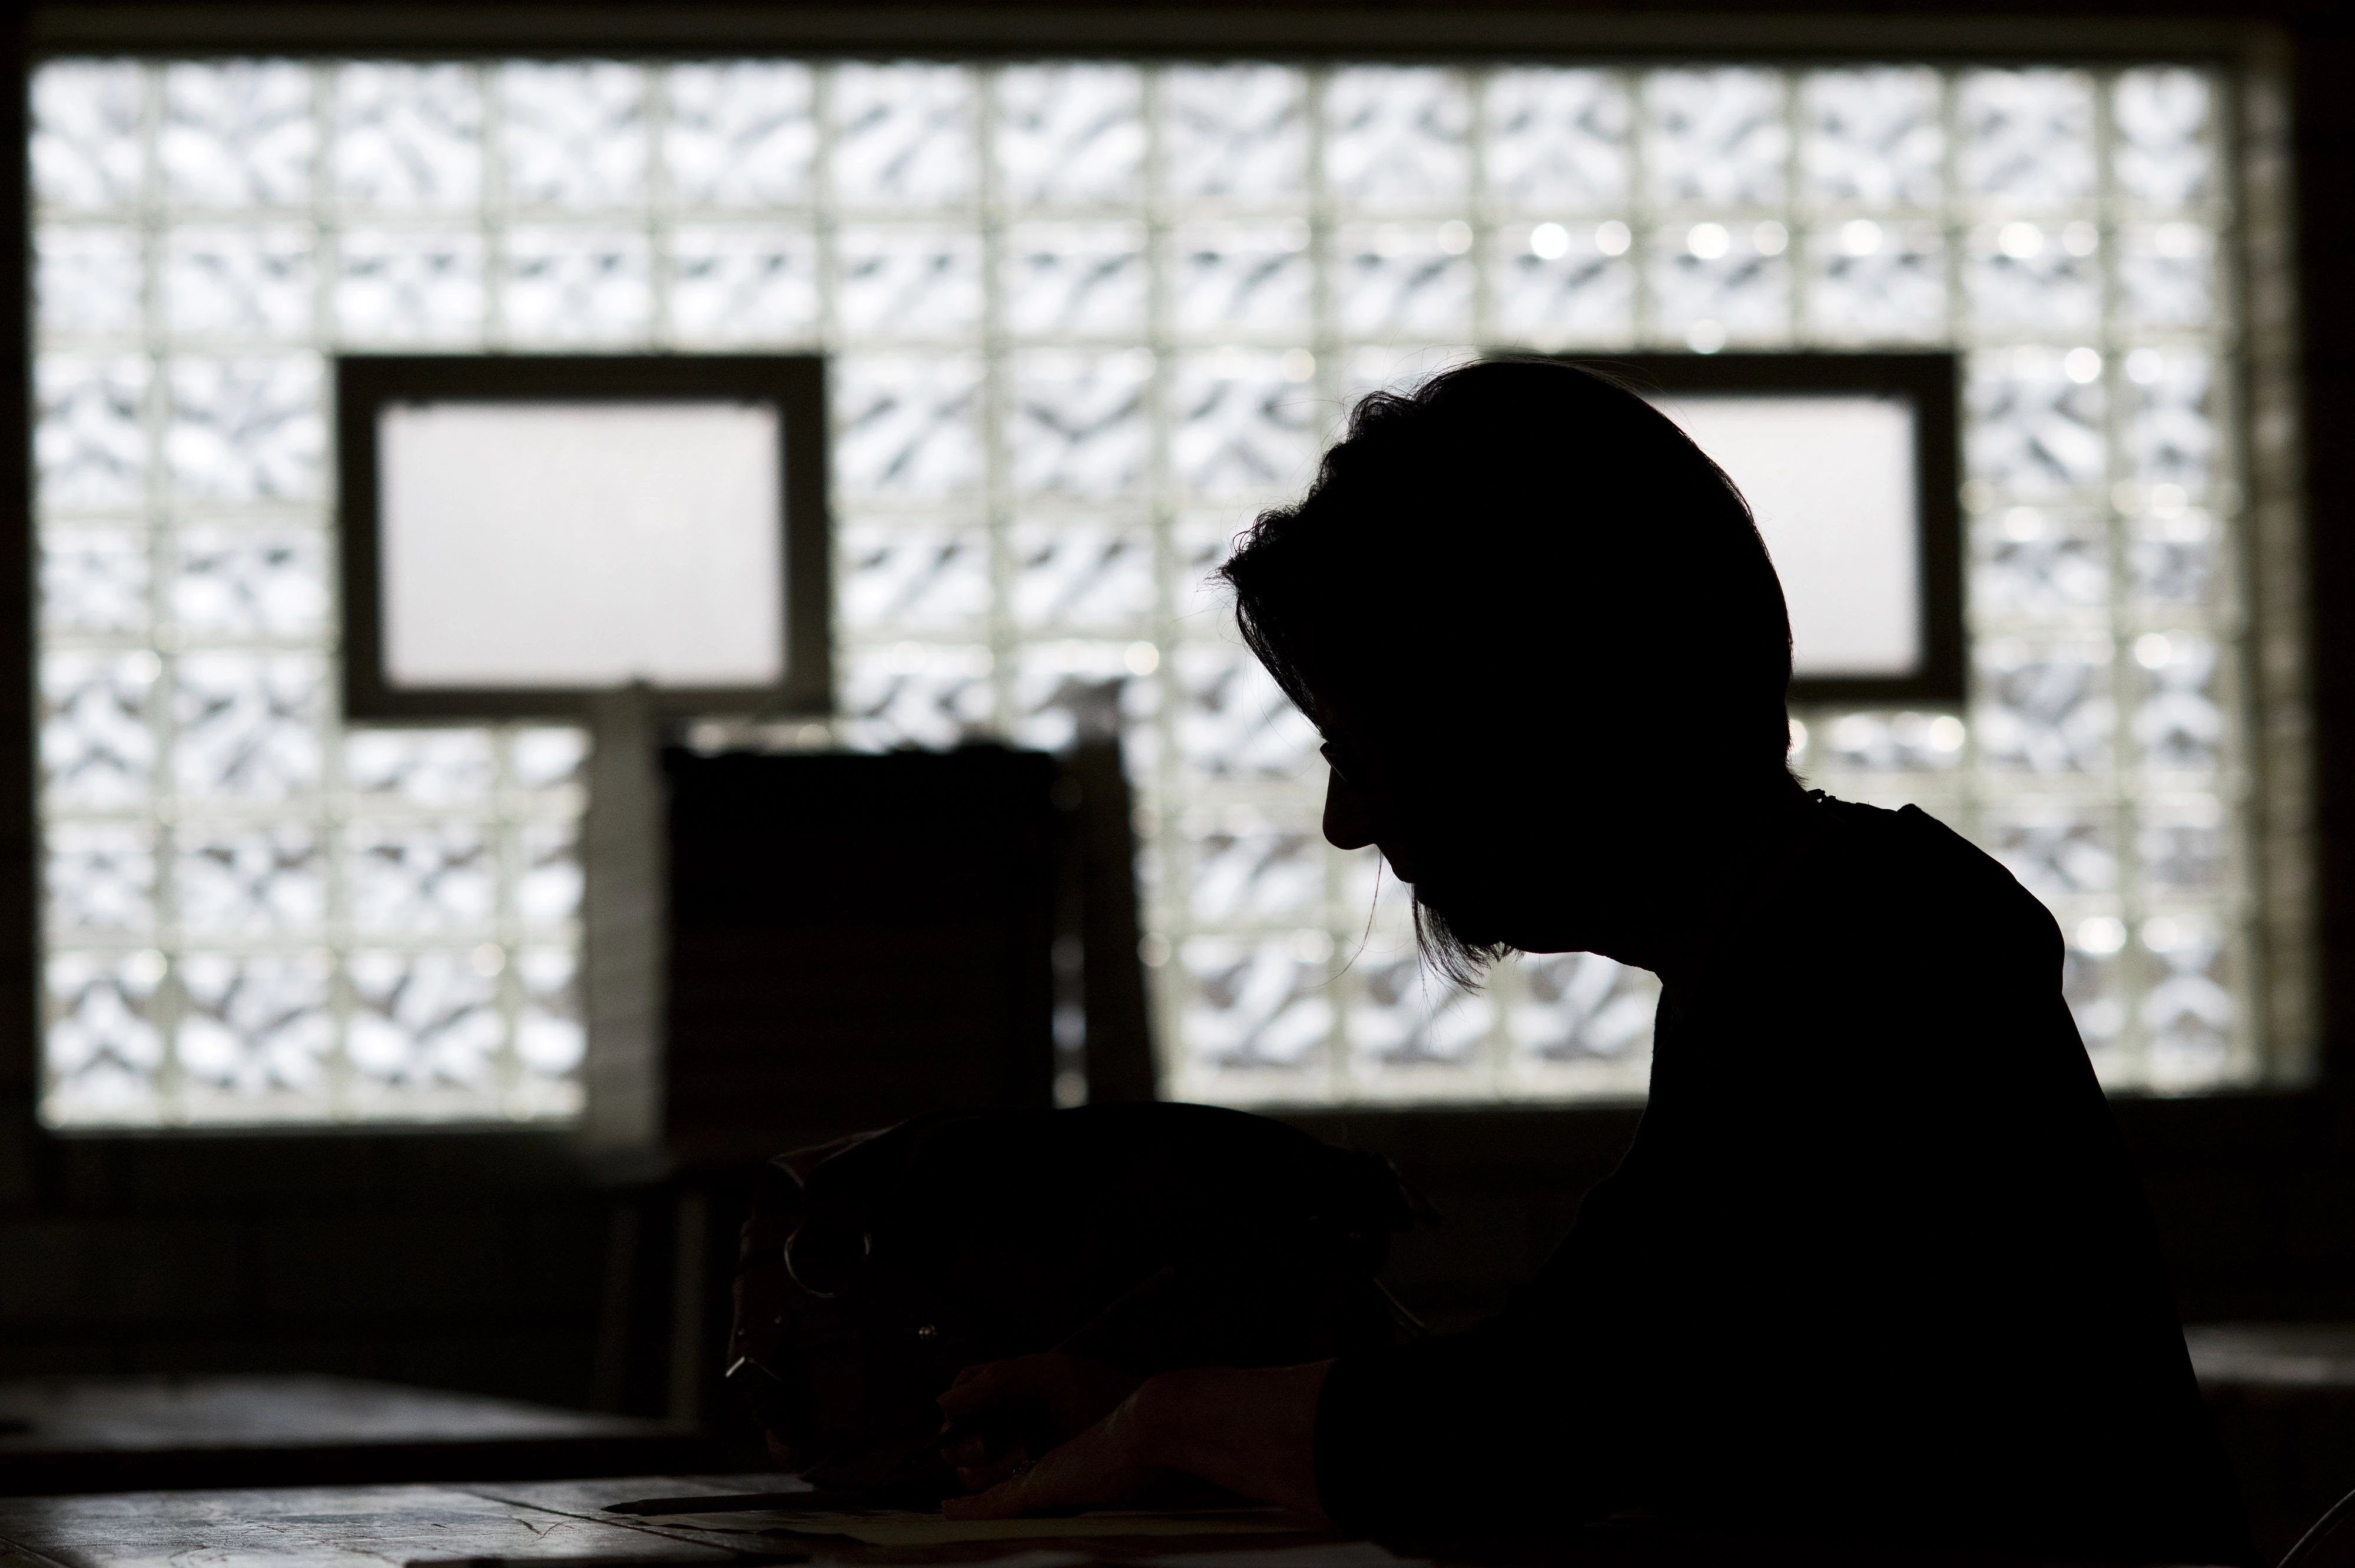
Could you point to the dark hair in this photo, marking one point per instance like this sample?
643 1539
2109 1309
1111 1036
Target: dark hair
1514 547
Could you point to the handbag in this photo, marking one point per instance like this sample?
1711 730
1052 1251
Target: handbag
1148 1236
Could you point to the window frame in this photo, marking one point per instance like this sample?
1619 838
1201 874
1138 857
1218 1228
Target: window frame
2209 1135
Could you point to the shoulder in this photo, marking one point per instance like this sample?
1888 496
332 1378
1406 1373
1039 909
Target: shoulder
1923 876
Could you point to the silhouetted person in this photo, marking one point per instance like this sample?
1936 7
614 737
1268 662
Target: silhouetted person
1876 1264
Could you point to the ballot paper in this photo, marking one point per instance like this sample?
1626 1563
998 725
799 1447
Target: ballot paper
911 1527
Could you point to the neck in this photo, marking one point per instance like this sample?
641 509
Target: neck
1681 900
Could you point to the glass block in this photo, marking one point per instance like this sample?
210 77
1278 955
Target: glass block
547 757
90 447
97 878
2189 1009
1713 284
2033 563
912 578
1719 137
2025 138
908 283
1241 423
102 1051
1090 574
237 584
1895 742
98 748
1074 279
1402 280
1401 1017
912 694
256 1025
1871 138
740 133
249 878
87 279
2093 984
1073 689
1242 277
1397 138
2044 707
433 767
2174 558
94 581
248 725
246 429
2058 848
1557 139
2183 845
2030 430
1077 422
86 149
1552 284
1249 868
903 134
401 287
2170 442
2020 276
1200 543
238 134
573 133
730 286
1868 280
548 886
419 878
551 1036
408 136
564 286
2167 275
905 425
2179 722
2162 155
423 1020
1254 1001
1232 723
1234 132
250 282
1070 135
1574 1007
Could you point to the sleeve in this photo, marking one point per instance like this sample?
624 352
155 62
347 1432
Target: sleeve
1519 1422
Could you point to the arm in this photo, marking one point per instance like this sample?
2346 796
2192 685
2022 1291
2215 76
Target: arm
1250 1430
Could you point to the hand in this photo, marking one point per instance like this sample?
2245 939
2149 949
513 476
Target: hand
1248 1431
1006 1414
1105 1466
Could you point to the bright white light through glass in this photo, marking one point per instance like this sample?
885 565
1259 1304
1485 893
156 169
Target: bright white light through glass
1705 337
1769 238
2083 366
2019 240
580 546
1708 240
2081 240
1612 237
1455 237
1860 237
1548 242
1831 481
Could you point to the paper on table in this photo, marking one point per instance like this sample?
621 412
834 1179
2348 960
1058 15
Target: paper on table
906 1527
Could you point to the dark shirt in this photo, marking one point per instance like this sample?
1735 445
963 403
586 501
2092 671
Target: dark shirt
1876 1264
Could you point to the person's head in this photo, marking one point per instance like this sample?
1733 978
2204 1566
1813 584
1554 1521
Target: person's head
1538 630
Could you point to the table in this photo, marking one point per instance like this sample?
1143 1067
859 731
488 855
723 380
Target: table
119 1434
556 1524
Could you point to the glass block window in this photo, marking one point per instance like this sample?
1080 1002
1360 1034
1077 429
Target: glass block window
1086 317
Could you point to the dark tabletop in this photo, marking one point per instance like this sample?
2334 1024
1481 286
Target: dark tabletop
119 1433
